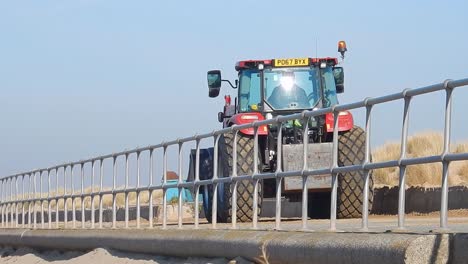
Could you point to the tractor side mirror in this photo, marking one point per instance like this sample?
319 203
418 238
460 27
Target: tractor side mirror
214 82
338 73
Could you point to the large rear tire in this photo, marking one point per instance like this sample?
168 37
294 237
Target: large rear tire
245 188
351 151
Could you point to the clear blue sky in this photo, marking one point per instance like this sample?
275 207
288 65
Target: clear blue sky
83 78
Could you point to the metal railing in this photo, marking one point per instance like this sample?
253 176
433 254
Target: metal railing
22 206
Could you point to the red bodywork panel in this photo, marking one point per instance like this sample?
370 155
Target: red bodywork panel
345 121
246 118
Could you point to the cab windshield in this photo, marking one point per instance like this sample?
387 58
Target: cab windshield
287 88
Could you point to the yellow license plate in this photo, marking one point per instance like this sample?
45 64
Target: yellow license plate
291 62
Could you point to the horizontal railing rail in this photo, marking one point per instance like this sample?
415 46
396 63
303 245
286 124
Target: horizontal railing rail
22 202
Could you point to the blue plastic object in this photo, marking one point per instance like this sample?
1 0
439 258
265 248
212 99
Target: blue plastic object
173 193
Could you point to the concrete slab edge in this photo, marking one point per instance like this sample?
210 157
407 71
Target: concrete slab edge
258 246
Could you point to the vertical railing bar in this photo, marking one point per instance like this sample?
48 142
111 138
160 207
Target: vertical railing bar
12 202
402 168
8 206
10 199
73 198
29 198
150 194
17 203
2 203
367 173
196 186
49 209
164 189
93 215
234 184
305 197
114 196
34 202
256 181
279 180
214 201
6 202
5 199
57 198
23 195
138 192
126 189
41 200
83 216
179 214
65 207
4 206
446 164
8 190
5 189
101 176
333 203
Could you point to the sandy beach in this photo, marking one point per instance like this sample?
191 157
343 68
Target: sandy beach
10 255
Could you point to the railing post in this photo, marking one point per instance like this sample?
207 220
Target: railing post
65 206
57 198
126 189
164 187
138 191
445 164
305 191
196 182
366 172
256 181
73 198
234 183
402 167
114 195
49 206
180 189
101 196
150 190
279 169
214 201
93 215
334 190
83 216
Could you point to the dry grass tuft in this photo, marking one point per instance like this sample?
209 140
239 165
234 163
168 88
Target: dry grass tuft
425 175
463 171
106 199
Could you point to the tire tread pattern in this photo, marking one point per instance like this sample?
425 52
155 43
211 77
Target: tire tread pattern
351 151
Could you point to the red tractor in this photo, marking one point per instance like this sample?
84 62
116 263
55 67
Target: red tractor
266 89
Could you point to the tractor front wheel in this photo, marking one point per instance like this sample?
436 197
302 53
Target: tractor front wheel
245 188
351 151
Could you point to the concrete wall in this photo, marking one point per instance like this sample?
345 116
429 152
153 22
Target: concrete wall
418 199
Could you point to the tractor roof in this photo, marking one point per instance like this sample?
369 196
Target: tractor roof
291 62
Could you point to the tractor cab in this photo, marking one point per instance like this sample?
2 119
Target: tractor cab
282 86
287 85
